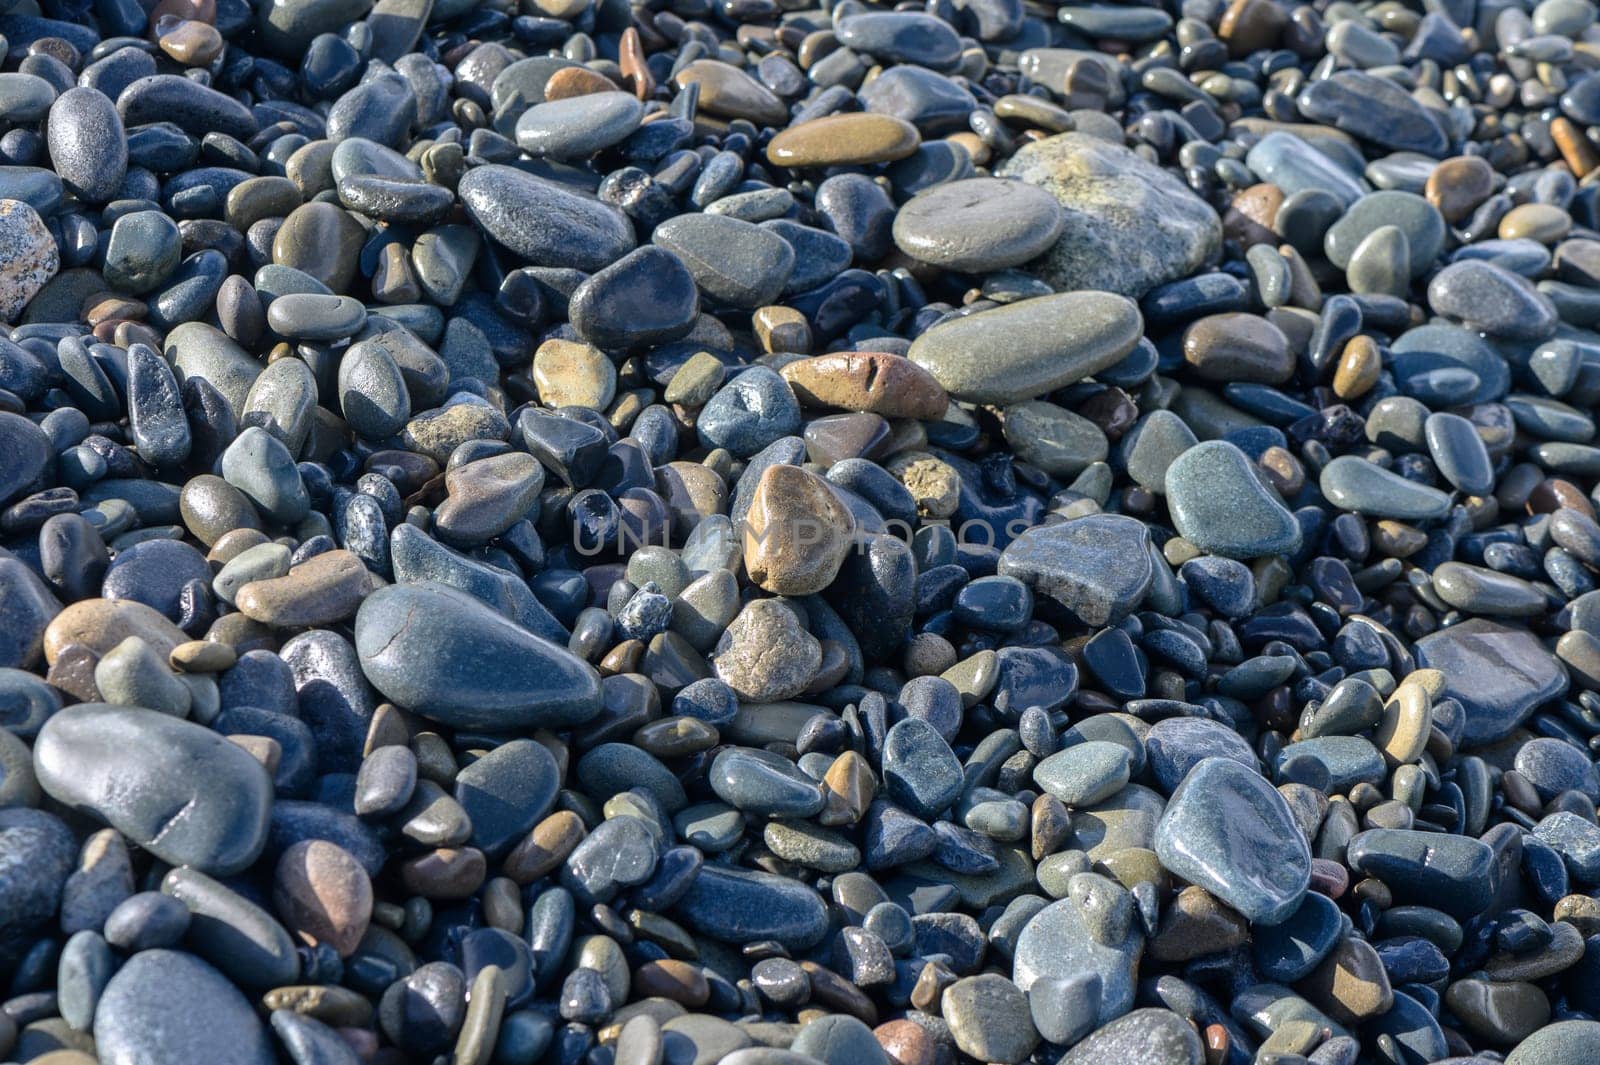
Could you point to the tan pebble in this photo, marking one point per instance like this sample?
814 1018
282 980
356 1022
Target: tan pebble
779 328
1250 216
850 787
202 656
797 532
264 749
1360 364
933 483
544 848
1543 222
576 81
321 590
101 624
569 373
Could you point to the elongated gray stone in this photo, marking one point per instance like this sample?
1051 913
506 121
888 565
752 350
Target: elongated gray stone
177 789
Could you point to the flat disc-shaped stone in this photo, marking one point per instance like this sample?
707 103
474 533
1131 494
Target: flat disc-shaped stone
1228 830
978 224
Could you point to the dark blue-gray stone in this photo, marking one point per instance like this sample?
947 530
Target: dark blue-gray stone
168 1006
1178 744
88 146
440 653
1455 874
506 792
179 790
733 261
763 782
910 37
1499 674
1147 1036
749 412
1493 300
920 771
545 223
1289 951
1576 840
1098 567
27 606
741 905
1331 763
1060 941
648 296
37 852
578 126
1352 483
1376 110
186 103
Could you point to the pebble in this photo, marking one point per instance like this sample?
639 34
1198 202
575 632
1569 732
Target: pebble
1026 349
166 1005
154 778
978 225
396 624
843 140
29 256
1098 567
1221 504
1227 830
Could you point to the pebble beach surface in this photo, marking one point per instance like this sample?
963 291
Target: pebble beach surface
725 532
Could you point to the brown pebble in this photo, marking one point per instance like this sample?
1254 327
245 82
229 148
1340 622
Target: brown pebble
568 82
1351 984
780 328
631 62
328 1003
1543 222
856 138
1457 186
907 1043
797 532
192 43
264 749
1238 347
1249 218
1217 1044
544 848
1195 924
101 624
839 995
104 307
878 382
1576 149
850 787
676 980
323 895
1251 25
202 656
1554 493
321 590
